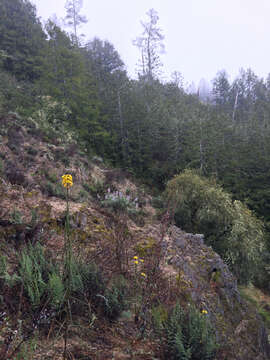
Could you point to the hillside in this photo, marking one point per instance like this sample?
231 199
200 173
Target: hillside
112 220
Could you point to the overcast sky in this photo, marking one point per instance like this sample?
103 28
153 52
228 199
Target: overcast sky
201 36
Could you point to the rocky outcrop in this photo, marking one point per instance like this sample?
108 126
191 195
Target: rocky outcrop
207 281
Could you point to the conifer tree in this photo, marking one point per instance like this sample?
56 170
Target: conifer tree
74 19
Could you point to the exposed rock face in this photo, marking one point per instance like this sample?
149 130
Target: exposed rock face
207 281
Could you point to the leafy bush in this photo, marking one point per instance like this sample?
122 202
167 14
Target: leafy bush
189 336
229 226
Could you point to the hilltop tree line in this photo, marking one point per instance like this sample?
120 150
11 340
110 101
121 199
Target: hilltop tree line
151 128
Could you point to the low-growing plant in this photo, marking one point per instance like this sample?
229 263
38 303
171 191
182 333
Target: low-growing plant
119 202
189 335
34 270
53 190
52 177
56 290
16 217
96 189
115 298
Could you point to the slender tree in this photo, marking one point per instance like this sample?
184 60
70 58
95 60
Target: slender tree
150 45
74 19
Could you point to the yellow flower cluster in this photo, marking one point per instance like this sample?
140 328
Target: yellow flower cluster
204 311
137 260
67 181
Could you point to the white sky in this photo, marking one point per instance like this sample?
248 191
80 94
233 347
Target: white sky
201 36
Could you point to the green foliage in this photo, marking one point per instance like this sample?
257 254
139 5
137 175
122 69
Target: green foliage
159 318
22 39
115 298
158 202
189 336
16 217
92 280
53 189
229 226
96 189
52 177
33 268
27 350
56 290
119 202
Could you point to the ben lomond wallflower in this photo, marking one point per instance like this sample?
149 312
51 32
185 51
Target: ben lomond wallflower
67 181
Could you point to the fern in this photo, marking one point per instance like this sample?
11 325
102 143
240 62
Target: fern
56 290
189 336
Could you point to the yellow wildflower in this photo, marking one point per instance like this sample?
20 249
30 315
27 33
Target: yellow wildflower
136 262
143 274
135 257
204 312
141 260
67 181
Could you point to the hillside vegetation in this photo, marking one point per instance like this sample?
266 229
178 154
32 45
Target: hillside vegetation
167 214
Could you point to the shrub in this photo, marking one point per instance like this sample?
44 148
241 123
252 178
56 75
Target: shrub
229 226
92 280
115 298
53 190
96 189
119 202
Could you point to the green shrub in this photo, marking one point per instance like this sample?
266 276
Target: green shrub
92 280
115 299
189 335
229 226
117 205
